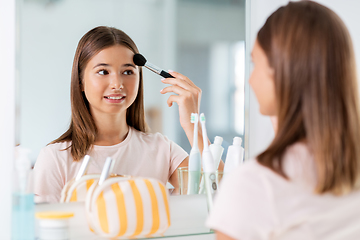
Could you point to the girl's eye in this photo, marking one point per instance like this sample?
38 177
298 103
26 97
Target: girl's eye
128 72
103 72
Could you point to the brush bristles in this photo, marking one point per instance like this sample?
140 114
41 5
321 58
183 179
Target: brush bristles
139 59
194 118
202 117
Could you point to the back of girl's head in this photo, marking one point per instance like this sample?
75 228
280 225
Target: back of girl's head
82 130
311 52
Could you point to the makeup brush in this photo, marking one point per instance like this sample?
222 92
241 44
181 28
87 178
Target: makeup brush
140 60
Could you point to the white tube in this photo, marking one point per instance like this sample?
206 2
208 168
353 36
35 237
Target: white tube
217 150
235 155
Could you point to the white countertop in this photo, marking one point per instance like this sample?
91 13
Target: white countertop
188 214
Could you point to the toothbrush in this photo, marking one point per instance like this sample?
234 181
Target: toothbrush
106 170
208 166
83 168
194 170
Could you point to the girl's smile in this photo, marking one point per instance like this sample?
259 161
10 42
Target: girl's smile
115 98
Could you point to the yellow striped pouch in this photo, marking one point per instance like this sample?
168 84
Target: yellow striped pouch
75 191
128 208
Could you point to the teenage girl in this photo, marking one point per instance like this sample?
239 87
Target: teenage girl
305 185
107 118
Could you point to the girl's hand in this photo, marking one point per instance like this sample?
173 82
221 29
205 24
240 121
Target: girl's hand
188 99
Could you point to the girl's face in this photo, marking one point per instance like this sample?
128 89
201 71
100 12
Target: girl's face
262 81
111 80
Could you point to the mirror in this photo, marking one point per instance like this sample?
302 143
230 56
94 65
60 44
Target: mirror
202 39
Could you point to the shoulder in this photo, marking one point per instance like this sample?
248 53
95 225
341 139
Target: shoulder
56 151
244 206
56 147
251 178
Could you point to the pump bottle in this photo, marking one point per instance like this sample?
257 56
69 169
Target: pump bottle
23 227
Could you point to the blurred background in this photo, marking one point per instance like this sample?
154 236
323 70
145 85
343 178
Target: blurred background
202 39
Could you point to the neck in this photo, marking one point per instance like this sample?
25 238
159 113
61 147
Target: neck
112 128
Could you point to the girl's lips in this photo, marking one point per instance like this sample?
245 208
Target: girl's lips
114 99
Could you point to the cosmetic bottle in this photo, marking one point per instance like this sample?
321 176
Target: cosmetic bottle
23 227
53 225
235 156
217 150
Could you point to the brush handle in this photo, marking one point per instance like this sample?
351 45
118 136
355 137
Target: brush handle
165 74
106 170
211 187
193 182
83 168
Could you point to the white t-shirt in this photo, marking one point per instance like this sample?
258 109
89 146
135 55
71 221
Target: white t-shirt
255 203
140 154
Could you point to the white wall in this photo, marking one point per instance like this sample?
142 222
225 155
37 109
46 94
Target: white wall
7 111
348 10
261 132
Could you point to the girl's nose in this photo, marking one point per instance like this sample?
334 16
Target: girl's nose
117 82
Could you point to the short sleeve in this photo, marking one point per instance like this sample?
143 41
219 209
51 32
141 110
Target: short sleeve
177 155
48 177
243 208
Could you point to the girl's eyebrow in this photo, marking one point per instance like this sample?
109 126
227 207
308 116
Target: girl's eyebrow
107 65
129 65
102 64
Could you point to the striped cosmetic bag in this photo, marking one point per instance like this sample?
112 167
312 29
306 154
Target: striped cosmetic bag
76 190
128 208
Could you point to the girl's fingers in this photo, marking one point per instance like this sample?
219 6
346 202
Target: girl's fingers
182 77
178 82
178 75
175 89
187 85
171 99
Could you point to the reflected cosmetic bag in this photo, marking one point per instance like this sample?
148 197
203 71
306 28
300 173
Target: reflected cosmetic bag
127 207
75 190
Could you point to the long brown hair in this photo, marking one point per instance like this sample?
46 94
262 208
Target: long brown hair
82 130
311 52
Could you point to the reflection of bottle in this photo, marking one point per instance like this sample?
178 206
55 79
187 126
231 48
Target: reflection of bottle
22 199
217 150
235 155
